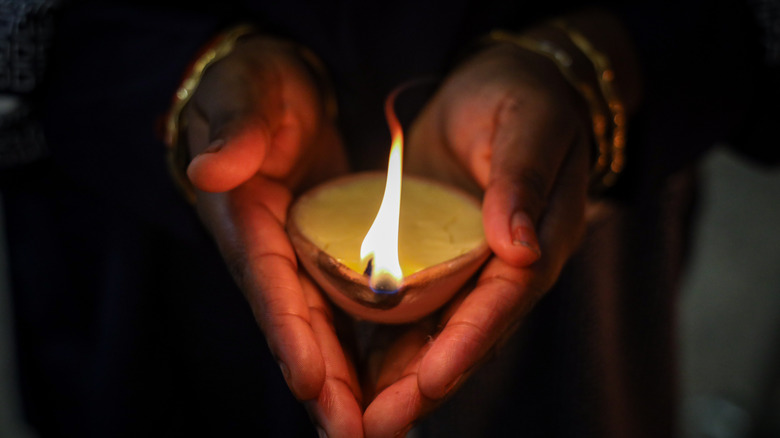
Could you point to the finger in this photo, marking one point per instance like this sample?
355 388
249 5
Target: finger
229 159
395 410
396 353
228 124
246 224
336 410
528 147
338 364
227 133
401 404
274 295
503 296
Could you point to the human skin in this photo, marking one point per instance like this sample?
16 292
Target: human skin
507 124
259 133
504 122
525 142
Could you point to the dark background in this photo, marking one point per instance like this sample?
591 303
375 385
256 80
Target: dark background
729 334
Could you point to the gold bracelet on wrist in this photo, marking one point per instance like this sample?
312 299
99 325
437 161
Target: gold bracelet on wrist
606 109
217 49
606 78
597 107
178 151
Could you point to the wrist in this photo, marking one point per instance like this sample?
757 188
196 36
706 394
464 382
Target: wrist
589 70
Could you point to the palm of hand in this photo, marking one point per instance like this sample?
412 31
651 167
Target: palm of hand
505 123
259 133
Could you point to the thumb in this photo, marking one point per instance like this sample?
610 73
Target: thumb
232 156
526 154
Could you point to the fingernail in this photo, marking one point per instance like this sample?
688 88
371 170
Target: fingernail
452 385
214 147
285 371
321 432
523 232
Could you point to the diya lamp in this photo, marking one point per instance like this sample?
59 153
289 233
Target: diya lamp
391 255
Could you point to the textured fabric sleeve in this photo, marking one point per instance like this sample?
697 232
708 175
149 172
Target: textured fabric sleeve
25 37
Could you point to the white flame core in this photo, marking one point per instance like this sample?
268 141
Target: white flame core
380 246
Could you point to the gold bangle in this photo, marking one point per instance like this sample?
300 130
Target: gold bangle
178 153
563 62
606 78
219 48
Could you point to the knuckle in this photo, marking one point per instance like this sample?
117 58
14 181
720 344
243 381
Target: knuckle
471 335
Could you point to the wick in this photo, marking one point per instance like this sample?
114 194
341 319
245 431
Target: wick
385 284
369 267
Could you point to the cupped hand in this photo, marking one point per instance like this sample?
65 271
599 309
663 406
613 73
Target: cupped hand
507 123
259 131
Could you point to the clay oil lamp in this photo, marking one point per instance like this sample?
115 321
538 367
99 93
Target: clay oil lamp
385 248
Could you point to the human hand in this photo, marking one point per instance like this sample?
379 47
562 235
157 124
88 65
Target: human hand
259 131
506 122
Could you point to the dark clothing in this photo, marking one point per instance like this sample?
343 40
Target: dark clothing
125 329
128 323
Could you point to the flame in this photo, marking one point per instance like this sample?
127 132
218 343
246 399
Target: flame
380 246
